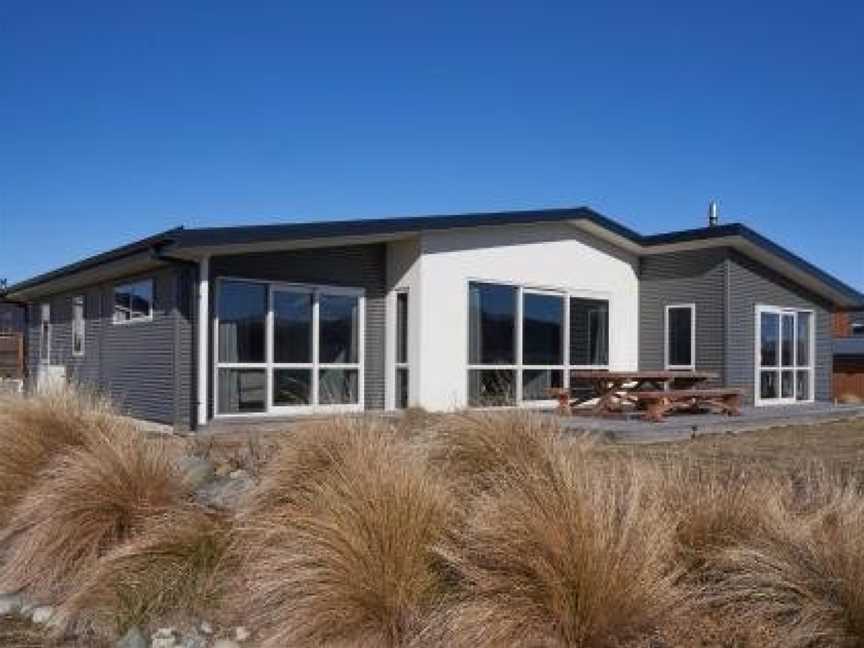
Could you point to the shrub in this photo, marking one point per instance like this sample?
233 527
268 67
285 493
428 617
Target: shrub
34 429
347 559
567 553
175 565
86 502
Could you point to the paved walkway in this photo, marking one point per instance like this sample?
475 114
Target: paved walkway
675 428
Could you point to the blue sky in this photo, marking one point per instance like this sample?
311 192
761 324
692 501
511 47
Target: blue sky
118 121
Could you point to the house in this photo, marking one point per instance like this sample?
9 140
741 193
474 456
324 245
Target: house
849 355
443 312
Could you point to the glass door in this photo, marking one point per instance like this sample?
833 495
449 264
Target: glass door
784 355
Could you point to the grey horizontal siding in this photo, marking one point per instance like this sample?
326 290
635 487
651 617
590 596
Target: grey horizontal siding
133 363
695 277
356 266
750 284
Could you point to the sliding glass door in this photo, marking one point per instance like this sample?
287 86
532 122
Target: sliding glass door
288 348
784 355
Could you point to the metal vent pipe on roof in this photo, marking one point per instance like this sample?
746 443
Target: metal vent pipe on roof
713 219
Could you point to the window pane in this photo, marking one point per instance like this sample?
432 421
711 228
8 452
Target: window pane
122 303
241 390
787 383
803 339
536 383
769 330
338 386
401 388
339 329
242 311
680 342
491 387
292 326
142 299
589 332
44 341
402 327
542 330
292 386
768 384
491 324
788 340
78 326
803 386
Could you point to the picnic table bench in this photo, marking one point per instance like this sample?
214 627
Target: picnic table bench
658 403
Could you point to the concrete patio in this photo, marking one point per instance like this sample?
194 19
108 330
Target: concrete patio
631 429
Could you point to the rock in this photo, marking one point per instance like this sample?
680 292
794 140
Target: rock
27 608
163 638
224 493
42 614
132 639
223 470
226 643
195 470
206 628
241 634
239 474
194 640
10 604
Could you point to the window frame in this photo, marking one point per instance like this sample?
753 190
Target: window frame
779 368
79 301
518 367
270 366
666 346
45 333
130 284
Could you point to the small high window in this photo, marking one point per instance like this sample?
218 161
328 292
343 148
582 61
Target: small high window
78 326
681 336
133 301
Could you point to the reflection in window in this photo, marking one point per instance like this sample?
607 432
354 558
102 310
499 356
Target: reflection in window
401 377
133 301
78 326
770 331
491 387
679 341
536 383
339 329
542 329
491 324
242 314
338 386
589 332
292 326
292 386
242 391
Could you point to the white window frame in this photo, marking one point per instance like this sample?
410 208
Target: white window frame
779 369
667 364
566 294
406 364
133 320
79 324
45 333
269 365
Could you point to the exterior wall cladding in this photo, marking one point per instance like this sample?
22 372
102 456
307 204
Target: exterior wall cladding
356 266
726 287
145 367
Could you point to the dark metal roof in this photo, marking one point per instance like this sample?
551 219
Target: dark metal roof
180 238
849 346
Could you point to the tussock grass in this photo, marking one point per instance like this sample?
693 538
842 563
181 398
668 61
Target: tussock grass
175 566
346 559
34 430
85 502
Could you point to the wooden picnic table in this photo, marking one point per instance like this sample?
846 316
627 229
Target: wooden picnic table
614 389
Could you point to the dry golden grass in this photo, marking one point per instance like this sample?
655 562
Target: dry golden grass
86 501
342 556
174 567
33 430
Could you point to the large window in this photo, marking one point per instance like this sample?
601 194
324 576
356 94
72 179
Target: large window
521 344
286 347
78 326
784 358
133 301
681 336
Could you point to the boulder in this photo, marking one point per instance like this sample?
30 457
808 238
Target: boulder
195 471
132 639
10 604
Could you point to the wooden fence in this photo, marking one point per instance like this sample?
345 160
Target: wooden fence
11 355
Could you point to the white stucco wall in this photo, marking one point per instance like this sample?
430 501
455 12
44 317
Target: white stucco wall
552 256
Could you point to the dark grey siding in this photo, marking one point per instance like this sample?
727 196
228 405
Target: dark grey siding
750 283
695 277
358 266
136 364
